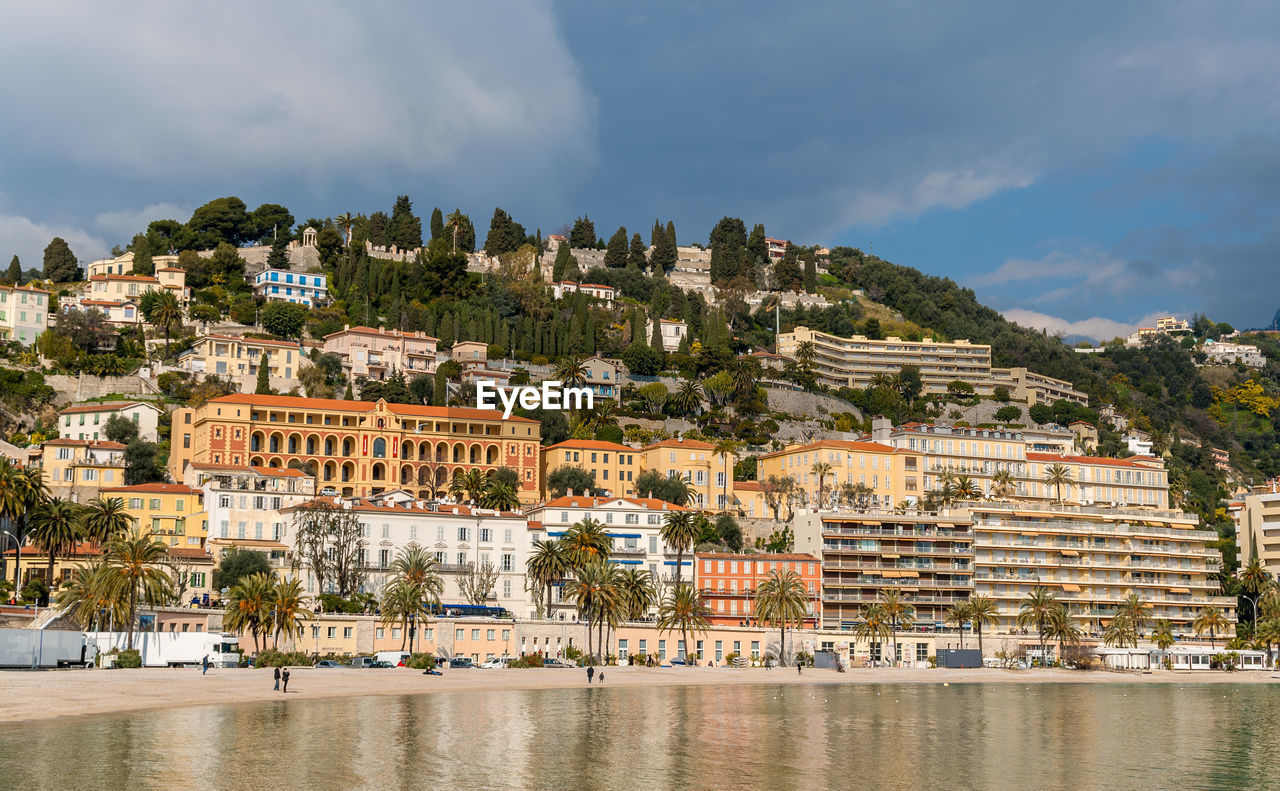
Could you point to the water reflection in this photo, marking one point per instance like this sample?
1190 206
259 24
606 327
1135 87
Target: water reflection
819 736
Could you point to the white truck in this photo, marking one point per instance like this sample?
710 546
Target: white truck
171 649
34 648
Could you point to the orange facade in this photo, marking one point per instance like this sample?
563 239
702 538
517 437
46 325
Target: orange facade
359 448
728 584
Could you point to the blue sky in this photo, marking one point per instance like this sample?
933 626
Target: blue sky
1082 168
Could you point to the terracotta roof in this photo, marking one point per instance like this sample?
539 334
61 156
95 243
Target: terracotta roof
1129 462
26 288
839 444
108 302
442 509
154 488
106 406
134 278
761 556
590 444
338 405
583 501
171 269
746 486
363 330
694 444
267 341
192 553
87 443
81 549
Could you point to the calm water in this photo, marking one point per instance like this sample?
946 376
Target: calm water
973 736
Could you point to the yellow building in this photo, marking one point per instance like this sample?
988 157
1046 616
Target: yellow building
227 355
76 469
890 475
615 466
709 474
190 569
172 512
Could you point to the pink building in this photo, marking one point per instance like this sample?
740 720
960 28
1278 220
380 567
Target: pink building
375 353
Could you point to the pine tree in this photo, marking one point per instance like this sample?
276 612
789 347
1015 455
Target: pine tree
583 233
615 256
264 377
505 234
437 224
142 263
405 229
637 258
278 258
14 275
728 240
60 264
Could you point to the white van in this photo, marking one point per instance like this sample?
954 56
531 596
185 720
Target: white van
500 662
393 658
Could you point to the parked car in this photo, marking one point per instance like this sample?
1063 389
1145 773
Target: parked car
381 663
328 491
553 662
328 663
460 662
677 663
499 663
362 661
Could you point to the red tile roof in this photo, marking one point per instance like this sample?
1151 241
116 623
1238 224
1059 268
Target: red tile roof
338 405
191 553
839 444
134 278
105 406
583 501
154 488
362 330
590 444
693 444
87 443
266 341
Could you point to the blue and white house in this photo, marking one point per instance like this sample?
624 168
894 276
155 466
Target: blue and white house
282 285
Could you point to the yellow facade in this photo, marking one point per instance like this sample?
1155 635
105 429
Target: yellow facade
890 475
615 466
173 513
709 474
226 355
76 469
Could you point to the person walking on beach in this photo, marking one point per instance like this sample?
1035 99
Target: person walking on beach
799 669
591 671
601 676
204 665
285 676
277 679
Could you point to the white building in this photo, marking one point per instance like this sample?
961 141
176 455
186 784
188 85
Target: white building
602 293
245 506
87 421
460 537
282 285
673 331
125 312
1224 353
634 524
23 313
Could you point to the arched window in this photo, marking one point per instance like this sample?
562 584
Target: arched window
379 448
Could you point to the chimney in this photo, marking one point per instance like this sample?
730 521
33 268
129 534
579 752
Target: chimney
569 492
881 428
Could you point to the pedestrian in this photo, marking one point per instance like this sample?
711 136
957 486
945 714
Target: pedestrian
285 676
799 669
601 676
591 671
277 689
204 665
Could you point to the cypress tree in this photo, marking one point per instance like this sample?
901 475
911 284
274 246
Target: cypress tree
348 395
404 229
14 275
671 233
637 258
278 258
655 339
615 256
663 258
564 258
437 224
60 264
810 272
264 377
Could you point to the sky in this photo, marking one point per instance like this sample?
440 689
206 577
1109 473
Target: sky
1082 167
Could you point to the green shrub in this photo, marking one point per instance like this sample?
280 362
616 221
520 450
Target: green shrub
130 657
271 657
421 661
528 660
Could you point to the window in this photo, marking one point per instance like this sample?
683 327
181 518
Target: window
463 533
380 633
486 535
922 652
475 634
346 631
506 536
489 634
136 503
333 631
506 591
460 634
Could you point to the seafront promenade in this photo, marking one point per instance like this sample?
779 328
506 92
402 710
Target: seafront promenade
47 695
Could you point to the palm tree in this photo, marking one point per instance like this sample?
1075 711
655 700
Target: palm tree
965 488
874 626
1003 484
135 559
22 490
165 314
547 564
1062 627
92 596
344 221
638 591
683 610
602 415
586 542
103 519
725 449
249 606
500 496
900 614
1162 634
820 471
454 223
416 567
570 371
688 397
680 532
1137 612
287 608
1119 632
1210 619
1057 476
55 529
596 594
982 612
1254 577
401 600
1035 611
959 615
1268 633
805 352
782 599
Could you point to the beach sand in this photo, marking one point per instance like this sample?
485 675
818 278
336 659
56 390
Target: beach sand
37 695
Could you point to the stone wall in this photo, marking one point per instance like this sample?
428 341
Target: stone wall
86 387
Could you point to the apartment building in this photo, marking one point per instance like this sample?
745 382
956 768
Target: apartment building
673 331
777 248
122 312
229 355
283 285
728 584
925 557
123 264
23 313
1258 528
709 475
891 475
979 453
77 469
1165 325
244 506
1032 388
614 466
87 421
604 377
634 524
1135 482
171 512
462 540
118 288
600 292
1092 558
360 448
1224 353
376 353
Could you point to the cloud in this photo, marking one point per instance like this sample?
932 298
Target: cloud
27 239
939 189
122 224
1095 327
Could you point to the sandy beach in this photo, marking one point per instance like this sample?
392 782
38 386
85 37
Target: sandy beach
38 695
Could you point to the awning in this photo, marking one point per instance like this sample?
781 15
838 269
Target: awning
890 574
1179 590
1066 586
887 555
945 524
1069 552
909 573
1030 535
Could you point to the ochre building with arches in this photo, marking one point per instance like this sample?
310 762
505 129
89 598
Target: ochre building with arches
358 448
